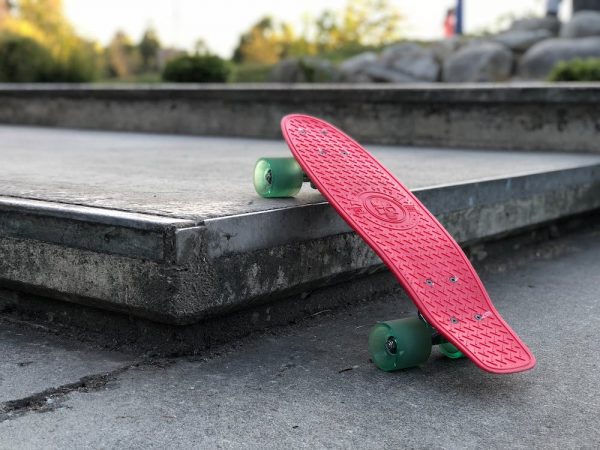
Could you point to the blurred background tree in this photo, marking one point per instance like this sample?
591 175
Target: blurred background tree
123 57
360 24
261 43
42 24
51 50
371 23
333 35
149 47
200 47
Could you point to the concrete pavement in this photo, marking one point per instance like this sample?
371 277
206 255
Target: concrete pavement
312 385
24 360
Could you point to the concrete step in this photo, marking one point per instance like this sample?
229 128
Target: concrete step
524 116
169 228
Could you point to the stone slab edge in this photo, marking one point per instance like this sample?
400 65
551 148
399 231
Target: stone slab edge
175 271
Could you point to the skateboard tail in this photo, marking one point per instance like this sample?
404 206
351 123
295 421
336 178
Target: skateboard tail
526 363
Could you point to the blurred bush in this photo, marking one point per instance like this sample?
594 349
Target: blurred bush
576 70
79 63
22 59
196 69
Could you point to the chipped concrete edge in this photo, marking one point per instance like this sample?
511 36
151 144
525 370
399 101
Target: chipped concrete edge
179 272
234 234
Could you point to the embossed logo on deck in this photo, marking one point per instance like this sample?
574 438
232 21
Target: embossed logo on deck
386 211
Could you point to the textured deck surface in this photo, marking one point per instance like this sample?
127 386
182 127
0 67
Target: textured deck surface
429 264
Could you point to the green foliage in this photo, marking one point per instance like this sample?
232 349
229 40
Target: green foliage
251 73
80 64
263 43
41 31
576 70
127 61
196 69
24 60
47 15
362 23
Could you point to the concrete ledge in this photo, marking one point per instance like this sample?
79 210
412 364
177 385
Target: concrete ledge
560 117
168 271
169 228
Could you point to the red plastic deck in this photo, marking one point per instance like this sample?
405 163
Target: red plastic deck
425 259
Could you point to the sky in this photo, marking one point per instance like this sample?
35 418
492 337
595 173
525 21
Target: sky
181 23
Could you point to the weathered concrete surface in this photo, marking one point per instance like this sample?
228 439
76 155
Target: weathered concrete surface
563 117
312 386
170 229
28 366
199 178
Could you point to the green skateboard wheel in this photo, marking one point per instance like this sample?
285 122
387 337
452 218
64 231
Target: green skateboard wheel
451 351
399 344
277 177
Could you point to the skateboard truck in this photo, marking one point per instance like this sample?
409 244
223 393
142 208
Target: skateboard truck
403 343
445 347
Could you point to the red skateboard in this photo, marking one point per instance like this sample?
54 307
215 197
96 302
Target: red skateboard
455 311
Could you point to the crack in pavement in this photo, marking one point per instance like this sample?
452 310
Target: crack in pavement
53 398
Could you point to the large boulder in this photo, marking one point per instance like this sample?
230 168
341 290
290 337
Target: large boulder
539 60
412 61
381 73
479 62
443 48
551 24
353 69
401 63
583 24
303 70
521 40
